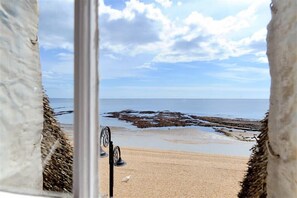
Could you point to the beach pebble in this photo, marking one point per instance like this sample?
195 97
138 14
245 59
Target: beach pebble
126 179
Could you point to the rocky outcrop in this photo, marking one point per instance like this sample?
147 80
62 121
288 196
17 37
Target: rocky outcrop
146 119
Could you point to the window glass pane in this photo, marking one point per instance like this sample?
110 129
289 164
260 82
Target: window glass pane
184 87
56 32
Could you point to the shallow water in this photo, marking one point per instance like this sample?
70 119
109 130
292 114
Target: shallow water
182 139
199 139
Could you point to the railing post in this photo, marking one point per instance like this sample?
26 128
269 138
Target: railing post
111 168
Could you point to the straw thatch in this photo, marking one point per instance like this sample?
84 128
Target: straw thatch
57 154
254 183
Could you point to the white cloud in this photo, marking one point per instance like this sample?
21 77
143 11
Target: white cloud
205 38
144 28
48 41
138 28
137 38
242 74
122 66
198 91
147 65
260 35
56 24
261 57
165 3
208 25
141 34
66 56
111 56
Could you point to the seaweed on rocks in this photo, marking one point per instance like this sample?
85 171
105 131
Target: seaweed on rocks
147 119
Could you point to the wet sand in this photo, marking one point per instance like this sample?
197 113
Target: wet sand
177 139
156 173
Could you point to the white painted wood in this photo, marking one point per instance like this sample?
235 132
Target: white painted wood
86 99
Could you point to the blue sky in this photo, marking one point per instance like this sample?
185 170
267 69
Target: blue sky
163 48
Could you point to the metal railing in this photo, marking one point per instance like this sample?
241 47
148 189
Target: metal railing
114 154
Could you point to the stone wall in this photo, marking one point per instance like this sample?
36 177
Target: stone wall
282 55
21 114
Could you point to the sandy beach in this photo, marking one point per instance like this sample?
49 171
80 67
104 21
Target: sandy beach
170 173
156 173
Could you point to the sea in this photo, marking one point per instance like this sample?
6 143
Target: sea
253 109
202 140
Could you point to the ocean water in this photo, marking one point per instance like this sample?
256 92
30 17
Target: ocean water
229 108
164 139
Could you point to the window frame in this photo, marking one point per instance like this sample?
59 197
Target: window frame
86 83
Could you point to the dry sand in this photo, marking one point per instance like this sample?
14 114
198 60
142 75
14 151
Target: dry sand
156 173
159 173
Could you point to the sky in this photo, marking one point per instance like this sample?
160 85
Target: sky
163 48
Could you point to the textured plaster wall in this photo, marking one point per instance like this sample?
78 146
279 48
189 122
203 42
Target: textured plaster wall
21 116
282 55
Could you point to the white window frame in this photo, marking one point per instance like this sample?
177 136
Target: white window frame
86 37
